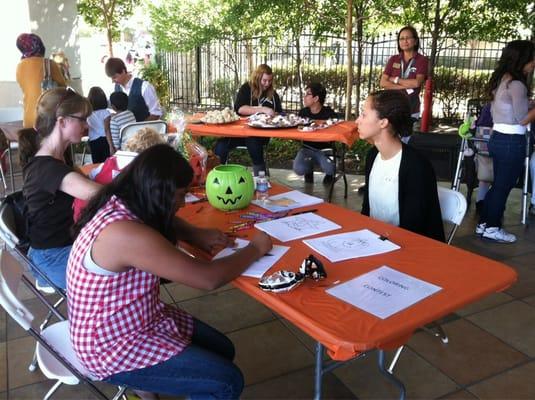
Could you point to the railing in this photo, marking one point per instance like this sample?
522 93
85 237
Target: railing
209 76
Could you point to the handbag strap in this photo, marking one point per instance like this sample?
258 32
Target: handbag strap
46 67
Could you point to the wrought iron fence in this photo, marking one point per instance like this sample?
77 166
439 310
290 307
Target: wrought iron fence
209 76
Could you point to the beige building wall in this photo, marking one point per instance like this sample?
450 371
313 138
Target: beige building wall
55 21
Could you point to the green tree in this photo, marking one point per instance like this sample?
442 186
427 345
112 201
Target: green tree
106 14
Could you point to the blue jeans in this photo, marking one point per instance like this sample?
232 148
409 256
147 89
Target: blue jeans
255 147
306 158
507 152
53 263
204 370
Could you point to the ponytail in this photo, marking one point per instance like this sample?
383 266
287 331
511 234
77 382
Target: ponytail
28 145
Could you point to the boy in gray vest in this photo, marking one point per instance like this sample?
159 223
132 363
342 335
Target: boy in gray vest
142 98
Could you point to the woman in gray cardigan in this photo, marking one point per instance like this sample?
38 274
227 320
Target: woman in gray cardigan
508 89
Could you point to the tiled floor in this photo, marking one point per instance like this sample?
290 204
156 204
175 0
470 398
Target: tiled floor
490 353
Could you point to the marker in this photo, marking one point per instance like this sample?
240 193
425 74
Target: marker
306 211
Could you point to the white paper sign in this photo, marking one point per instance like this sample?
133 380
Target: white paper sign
383 291
344 246
260 266
296 226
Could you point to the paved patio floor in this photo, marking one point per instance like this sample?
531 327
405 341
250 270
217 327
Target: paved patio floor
490 354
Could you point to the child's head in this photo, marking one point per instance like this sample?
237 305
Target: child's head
97 98
386 110
314 92
119 101
143 139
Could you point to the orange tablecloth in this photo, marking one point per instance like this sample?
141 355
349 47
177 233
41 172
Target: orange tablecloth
346 330
345 132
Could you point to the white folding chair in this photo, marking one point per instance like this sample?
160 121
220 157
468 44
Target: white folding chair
130 130
15 244
55 354
453 208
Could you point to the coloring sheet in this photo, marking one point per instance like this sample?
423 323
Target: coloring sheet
348 245
260 266
383 291
288 201
297 226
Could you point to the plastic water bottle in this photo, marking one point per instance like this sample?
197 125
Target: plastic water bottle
262 187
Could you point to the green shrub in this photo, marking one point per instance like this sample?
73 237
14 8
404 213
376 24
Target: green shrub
223 91
454 86
155 74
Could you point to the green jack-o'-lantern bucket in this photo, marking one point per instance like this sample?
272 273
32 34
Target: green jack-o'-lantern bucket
229 187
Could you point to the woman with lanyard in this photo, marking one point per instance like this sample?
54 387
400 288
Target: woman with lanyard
408 69
255 96
509 90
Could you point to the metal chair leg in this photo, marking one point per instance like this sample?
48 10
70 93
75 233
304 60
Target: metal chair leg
52 390
33 365
395 359
438 332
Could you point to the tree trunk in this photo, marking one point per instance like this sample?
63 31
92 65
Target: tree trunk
360 37
434 40
249 55
349 63
299 63
109 34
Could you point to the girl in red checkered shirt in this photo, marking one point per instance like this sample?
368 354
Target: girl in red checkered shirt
121 331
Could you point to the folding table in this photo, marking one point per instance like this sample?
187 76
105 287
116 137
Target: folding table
345 133
345 331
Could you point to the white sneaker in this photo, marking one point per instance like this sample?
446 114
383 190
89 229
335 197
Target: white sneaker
480 228
499 235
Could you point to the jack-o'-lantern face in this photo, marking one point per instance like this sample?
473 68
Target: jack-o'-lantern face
229 187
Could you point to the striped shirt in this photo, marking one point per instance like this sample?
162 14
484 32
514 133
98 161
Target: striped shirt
117 322
117 121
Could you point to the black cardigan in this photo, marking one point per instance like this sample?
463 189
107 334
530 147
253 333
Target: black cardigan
419 207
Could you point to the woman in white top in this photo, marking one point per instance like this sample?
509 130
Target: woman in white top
402 188
97 121
508 89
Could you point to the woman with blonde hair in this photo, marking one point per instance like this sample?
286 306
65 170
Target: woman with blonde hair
255 96
50 183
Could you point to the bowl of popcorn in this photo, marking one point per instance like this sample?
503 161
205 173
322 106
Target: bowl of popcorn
225 116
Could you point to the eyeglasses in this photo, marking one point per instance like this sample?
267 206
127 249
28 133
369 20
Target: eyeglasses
82 119
402 38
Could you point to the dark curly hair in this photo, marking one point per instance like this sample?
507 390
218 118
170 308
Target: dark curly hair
395 107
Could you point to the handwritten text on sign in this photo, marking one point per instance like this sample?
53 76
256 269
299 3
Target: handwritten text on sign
383 291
